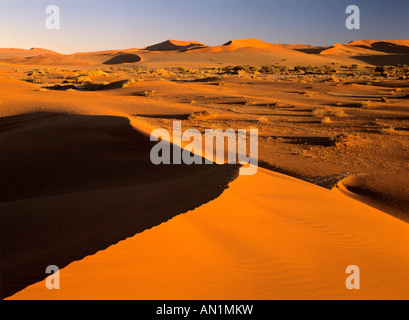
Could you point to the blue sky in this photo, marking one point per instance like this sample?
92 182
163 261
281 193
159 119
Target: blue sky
90 25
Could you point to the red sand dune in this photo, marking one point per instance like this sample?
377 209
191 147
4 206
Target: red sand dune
76 180
176 45
15 52
248 43
382 52
267 237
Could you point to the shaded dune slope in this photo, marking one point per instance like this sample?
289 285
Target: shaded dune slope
124 58
86 186
385 192
175 45
269 236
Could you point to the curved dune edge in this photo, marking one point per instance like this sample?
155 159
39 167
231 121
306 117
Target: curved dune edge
377 192
268 236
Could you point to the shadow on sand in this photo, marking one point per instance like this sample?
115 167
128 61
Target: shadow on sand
72 185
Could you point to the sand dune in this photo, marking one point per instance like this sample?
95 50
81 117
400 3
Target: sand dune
124 58
361 47
15 52
77 59
387 46
367 51
175 45
387 192
267 237
340 49
248 43
86 187
78 189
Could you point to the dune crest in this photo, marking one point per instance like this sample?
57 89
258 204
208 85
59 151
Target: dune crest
176 45
24 53
251 243
248 43
92 185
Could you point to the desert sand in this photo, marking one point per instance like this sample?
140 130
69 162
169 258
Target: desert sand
78 189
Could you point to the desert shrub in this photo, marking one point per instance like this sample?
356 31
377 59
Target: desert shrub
126 83
240 69
148 93
163 72
83 79
315 69
388 130
95 73
193 71
400 70
274 104
340 113
198 114
182 70
326 112
33 73
365 104
326 120
246 68
333 78
274 69
319 112
228 69
262 119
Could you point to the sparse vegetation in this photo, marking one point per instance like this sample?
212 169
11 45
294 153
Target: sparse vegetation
198 115
326 120
95 73
126 83
83 79
365 104
274 69
388 130
315 69
147 93
325 112
400 71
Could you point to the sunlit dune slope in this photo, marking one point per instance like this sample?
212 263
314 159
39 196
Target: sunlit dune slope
267 237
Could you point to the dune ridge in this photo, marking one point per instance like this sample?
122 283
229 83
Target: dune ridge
254 242
80 191
85 188
175 45
369 51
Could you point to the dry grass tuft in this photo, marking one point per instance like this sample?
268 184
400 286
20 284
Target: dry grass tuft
199 115
326 120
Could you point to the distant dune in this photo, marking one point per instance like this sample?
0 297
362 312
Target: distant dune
388 46
15 52
78 188
175 45
366 51
248 43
